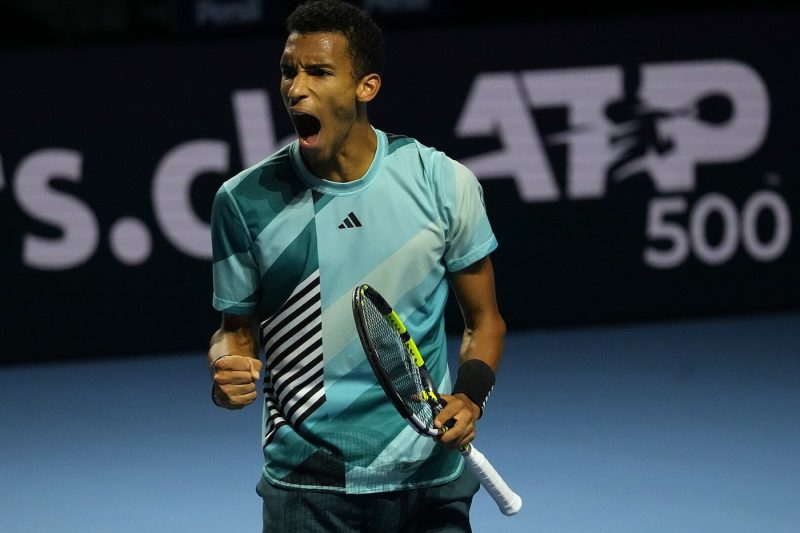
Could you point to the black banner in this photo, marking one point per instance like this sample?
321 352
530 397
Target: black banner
632 169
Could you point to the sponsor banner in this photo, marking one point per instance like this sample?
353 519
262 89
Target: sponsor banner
633 169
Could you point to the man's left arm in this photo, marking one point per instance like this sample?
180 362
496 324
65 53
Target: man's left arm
481 349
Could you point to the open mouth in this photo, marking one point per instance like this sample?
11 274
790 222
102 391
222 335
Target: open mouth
307 127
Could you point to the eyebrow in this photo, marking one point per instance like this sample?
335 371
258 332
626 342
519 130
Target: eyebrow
320 65
288 63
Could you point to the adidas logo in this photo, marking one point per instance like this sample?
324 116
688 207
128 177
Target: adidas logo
350 221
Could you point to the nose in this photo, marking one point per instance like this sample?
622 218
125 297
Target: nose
297 89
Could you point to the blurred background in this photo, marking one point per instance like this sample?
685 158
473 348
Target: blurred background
639 166
49 22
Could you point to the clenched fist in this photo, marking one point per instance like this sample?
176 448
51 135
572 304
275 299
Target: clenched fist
235 380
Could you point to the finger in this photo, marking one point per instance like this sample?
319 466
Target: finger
451 409
454 430
459 427
466 439
235 377
459 438
451 440
445 414
255 369
451 430
237 395
233 362
238 402
238 390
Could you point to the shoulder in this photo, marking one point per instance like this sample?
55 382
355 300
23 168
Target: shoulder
256 194
395 142
438 166
405 150
405 145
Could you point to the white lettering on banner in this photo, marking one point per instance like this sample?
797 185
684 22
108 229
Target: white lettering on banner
171 194
172 184
74 219
496 106
659 228
130 241
585 93
736 228
722 206
254 130
254 126
684 88
665 120
660 120
766 202
184 163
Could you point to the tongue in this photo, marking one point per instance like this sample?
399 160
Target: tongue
309 141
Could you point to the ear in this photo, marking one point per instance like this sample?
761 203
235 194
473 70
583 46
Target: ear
368 88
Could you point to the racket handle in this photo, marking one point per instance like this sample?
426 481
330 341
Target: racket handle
507 500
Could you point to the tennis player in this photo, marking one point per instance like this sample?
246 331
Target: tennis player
344 204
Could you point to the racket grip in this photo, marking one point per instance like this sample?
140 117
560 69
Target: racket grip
507 500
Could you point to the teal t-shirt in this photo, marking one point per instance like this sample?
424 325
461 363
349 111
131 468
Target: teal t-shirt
290 248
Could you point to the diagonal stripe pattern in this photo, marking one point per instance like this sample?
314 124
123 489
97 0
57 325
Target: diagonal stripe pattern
292 341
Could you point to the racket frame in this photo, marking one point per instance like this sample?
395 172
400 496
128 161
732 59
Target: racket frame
429 393
507 500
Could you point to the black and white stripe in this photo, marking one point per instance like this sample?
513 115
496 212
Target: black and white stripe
292 341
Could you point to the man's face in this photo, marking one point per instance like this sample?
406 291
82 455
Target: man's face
319 91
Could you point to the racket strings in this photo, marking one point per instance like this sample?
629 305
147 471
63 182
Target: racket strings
398 367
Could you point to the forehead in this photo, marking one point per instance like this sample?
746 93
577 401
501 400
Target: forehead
316 48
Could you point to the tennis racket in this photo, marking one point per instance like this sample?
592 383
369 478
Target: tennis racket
401 371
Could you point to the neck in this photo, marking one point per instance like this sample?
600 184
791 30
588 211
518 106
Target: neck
352 159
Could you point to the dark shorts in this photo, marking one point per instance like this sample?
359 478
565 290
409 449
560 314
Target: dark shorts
443 508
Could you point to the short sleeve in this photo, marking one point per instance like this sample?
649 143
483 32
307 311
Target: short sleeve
468 232
235 271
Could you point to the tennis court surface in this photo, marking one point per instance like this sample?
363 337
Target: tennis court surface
685 426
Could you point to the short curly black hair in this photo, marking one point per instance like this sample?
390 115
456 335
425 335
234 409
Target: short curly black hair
364 37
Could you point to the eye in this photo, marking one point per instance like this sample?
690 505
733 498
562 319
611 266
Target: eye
317 71
288 71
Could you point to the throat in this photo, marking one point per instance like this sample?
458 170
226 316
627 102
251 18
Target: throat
347 163
339 169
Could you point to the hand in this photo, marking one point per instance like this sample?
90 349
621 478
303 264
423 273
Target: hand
235 379
464 413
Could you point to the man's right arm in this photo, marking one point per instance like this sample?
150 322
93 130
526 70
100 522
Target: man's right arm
233 362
